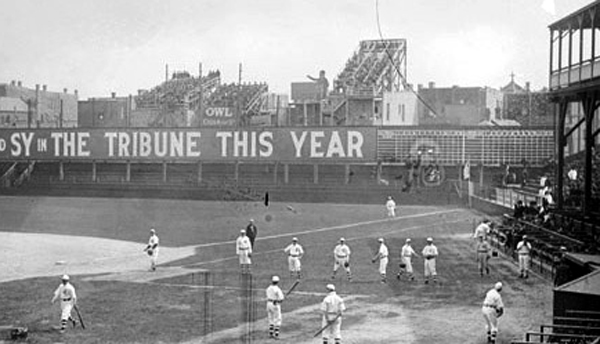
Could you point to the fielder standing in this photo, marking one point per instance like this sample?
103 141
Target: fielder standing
332 309
430 252
492 309
274 298
295 253
66 293
524 251
243 248
342 258
152 249
406 260
390 205
382 255
483 255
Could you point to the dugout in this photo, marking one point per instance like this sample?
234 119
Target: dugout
579 298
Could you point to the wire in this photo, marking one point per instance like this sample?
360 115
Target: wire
395 66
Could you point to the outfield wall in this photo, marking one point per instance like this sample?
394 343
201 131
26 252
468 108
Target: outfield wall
446 147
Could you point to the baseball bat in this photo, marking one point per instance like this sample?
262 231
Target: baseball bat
292 287
79 316
329 323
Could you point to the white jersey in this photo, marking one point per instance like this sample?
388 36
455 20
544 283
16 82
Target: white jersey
153 242
341 251
333 304
65 293
482 230
523 247
493 299
390 204
430 250
274 293
242 244
383 251
407 251
294 250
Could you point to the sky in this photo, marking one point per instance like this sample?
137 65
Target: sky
100 46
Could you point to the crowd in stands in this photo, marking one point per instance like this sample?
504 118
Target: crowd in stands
176 92
228 95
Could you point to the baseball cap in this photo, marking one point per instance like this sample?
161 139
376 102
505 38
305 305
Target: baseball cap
331 287
380 239
294 239
430 239
498 286
524 236
251 220
242 231
65 277
275 279
152 230
408 240
342 239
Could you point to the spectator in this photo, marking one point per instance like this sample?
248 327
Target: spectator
323 84
519 210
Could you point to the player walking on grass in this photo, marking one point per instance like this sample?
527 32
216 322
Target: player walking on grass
341 253
332 309
483 255
274 298
390 205
382 255
295 253
524 250
430 252
492 309
406 261
243 248
152 249
66 293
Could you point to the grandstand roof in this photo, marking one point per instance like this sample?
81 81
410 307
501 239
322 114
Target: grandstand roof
8 104
572 20
588 284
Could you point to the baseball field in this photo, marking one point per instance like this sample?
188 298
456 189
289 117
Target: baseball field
198 296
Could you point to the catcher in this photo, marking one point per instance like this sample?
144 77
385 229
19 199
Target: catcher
152 249
341 254
492 309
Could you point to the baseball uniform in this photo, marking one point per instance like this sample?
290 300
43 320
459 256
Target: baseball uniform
68 298
331 307
491 304
295 253
430 252
341 252
274 298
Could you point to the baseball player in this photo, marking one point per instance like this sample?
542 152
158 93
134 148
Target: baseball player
483 229
382 255
524 250
295 253
152 249
390 205
483 255
341 253
406 260
492 309
274 298
68 298
243 248
332 309
430 252
251 232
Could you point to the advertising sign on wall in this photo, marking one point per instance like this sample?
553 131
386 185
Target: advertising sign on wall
290 144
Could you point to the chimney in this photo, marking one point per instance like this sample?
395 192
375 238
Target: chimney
76 93
527 86
419 86
431 84
37 87
65 90
19 83
113 95
12 83
44 88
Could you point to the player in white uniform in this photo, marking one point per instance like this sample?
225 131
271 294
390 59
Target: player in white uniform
152 249
483 229
430 253
341 254
295 253
332 309
243 248
66 293
524 251
382 255
406 260
483 256
274 298
390 205
492 309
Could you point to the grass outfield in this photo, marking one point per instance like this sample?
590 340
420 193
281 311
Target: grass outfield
174 306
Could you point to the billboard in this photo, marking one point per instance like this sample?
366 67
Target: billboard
211 144
215 116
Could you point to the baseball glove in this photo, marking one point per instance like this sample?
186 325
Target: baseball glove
499 312
150 252
402 265
346 264
373 261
